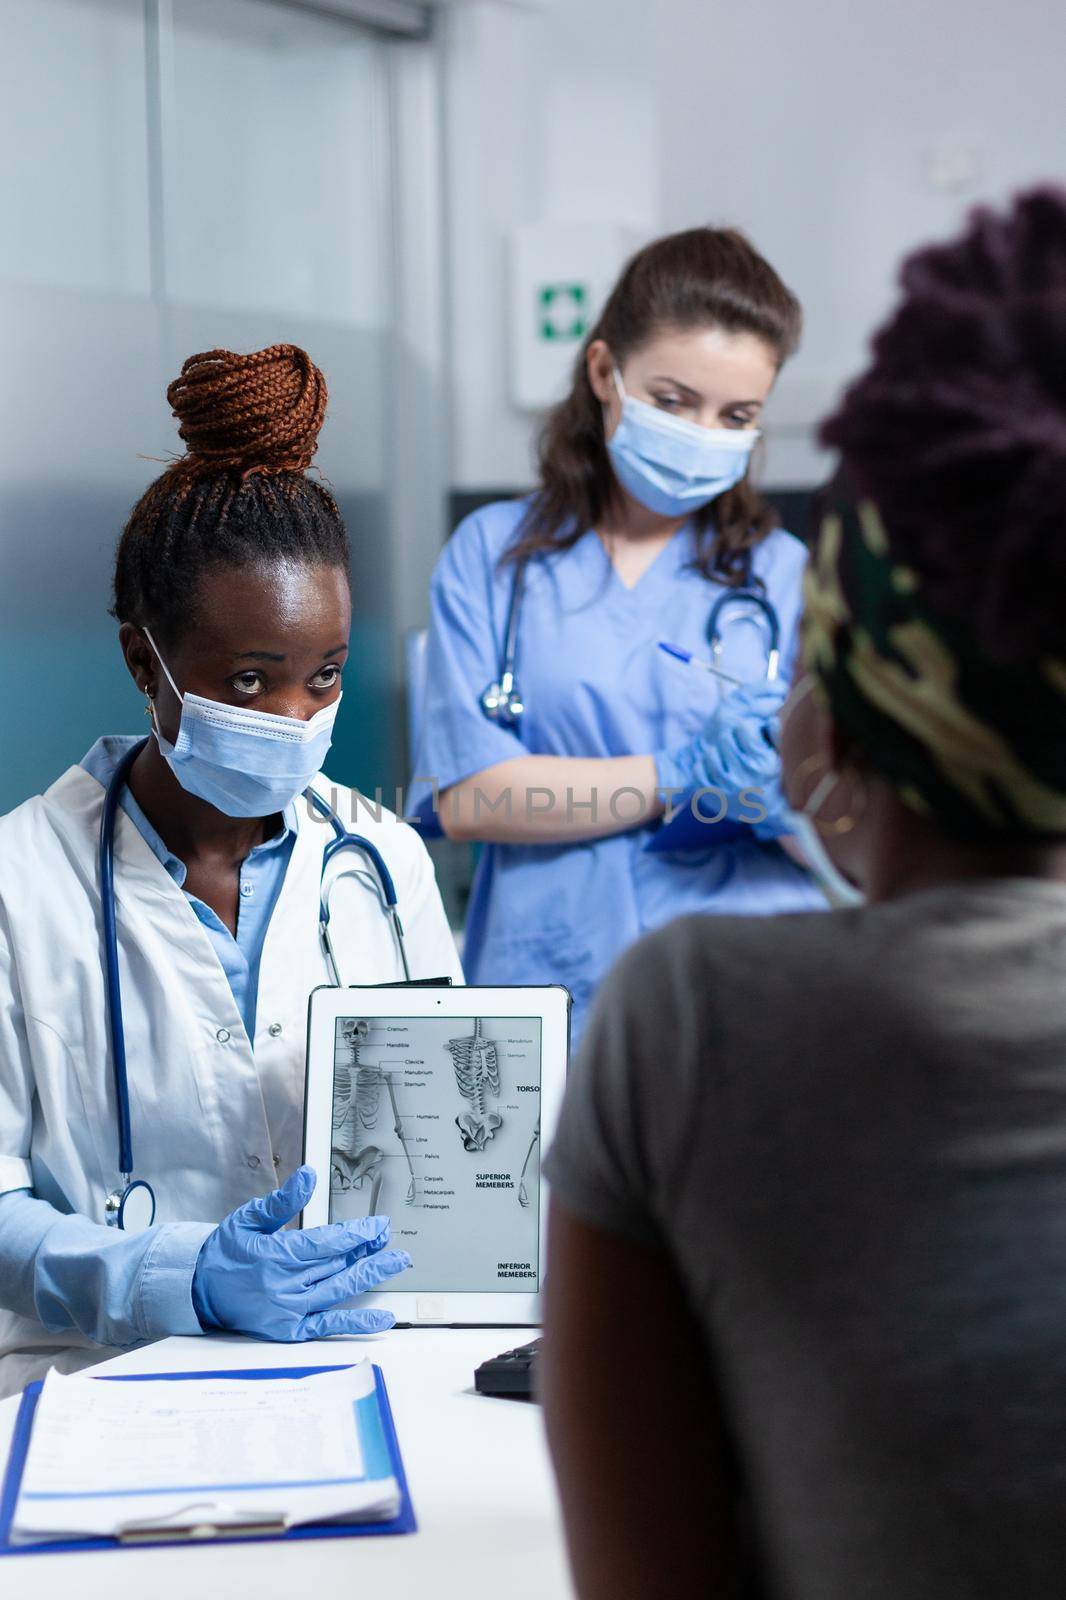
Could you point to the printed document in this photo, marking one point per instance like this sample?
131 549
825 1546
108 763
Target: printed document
113 1458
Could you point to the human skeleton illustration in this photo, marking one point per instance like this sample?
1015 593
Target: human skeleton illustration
477 1074
357 1086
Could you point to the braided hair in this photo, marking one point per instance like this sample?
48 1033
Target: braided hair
240 495
957 430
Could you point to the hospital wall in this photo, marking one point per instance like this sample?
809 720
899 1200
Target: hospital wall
264 216
837 134
298 177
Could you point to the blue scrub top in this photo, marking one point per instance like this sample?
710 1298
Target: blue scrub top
594 683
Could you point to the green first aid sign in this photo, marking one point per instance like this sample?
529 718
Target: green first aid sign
562 311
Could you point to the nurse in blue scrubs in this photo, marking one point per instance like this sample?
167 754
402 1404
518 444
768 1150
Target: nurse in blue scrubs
644 518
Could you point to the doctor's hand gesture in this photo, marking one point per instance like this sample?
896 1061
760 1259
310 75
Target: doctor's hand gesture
251 1277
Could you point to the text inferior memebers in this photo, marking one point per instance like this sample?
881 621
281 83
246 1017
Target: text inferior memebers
436 1123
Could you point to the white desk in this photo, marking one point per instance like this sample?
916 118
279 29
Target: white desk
478 1470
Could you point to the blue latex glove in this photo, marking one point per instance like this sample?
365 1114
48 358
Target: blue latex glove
737 749
252 1278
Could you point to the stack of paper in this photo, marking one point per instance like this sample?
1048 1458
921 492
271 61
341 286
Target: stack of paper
132 1459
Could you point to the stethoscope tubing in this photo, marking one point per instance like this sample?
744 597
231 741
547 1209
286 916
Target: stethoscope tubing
345 840
342 840
502 701
111 966
746 595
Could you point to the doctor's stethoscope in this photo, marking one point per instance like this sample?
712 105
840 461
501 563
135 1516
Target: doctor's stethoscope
133 1206
502 702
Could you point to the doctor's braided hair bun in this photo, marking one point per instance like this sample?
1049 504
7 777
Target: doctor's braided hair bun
957 430
240 496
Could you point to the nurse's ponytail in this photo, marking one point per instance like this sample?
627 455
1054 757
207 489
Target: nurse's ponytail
240 495
704 277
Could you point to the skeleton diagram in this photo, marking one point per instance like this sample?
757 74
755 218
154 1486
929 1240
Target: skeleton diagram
357 1086
477 1073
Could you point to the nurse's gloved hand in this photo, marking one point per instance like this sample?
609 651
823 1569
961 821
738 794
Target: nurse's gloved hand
252 1278
736 750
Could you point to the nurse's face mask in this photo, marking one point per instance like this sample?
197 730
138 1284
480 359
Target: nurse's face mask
245 763
673 466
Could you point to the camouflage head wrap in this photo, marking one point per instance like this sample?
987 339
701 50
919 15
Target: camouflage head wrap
978 745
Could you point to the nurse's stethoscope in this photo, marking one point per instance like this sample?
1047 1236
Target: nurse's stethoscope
748 603
133 1206
502 702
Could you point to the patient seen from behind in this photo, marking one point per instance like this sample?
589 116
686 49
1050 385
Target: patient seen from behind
807 1298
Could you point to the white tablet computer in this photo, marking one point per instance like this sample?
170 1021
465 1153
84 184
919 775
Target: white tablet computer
430 1106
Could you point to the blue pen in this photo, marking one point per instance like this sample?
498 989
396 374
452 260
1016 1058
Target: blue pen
681 654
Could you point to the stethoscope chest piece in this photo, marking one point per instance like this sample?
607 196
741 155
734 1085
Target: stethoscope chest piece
502 703
132 1209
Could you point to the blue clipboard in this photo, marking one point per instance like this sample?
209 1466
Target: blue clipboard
404 1522
686 832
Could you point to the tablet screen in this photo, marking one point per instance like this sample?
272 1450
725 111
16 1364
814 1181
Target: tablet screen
436 1123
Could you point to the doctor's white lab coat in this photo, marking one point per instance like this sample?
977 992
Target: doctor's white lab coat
213 1121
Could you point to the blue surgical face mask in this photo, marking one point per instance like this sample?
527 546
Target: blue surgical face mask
840 891
672 466
245 763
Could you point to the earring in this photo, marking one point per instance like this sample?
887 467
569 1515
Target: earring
842 824
149 707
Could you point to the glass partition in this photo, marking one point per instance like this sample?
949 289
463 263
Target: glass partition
216 173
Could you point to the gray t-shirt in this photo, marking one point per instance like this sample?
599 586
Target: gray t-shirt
848 1130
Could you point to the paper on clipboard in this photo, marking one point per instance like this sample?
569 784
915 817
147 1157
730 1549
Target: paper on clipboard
119 1458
